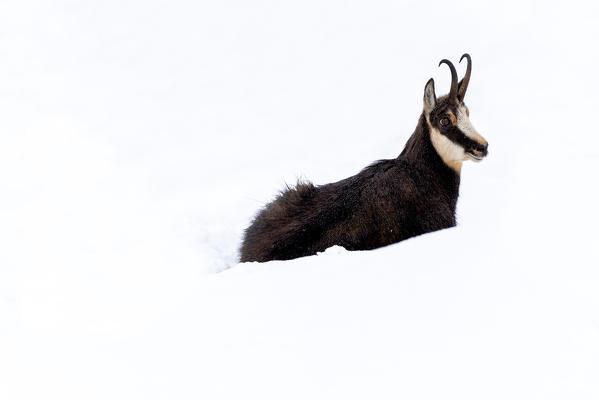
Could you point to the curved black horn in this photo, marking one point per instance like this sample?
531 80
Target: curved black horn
453 93
466 79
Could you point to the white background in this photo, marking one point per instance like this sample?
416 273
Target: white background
138 138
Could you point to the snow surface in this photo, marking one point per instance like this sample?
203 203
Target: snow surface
137 139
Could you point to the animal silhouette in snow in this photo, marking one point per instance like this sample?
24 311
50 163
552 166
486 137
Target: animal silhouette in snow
388 201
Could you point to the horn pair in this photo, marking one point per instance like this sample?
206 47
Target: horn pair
458 92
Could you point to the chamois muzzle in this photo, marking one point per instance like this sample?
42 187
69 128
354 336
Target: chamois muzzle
477 151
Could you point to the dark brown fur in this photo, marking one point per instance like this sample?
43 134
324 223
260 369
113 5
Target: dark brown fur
389 201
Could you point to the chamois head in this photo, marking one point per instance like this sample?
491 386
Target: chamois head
448 119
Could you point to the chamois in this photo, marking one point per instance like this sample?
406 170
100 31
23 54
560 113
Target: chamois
388 201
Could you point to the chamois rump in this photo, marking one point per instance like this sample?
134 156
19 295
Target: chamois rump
388 201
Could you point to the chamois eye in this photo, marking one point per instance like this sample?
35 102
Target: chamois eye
444 121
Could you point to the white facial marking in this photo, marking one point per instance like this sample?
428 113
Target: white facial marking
466 127
450 152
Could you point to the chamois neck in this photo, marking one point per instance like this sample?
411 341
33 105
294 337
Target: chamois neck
419 149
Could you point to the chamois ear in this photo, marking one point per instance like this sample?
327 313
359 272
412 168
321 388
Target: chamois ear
462 89
430 99
460 86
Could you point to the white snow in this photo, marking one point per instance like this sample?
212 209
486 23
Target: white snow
137 140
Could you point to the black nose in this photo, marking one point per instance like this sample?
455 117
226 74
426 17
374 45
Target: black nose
482 148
